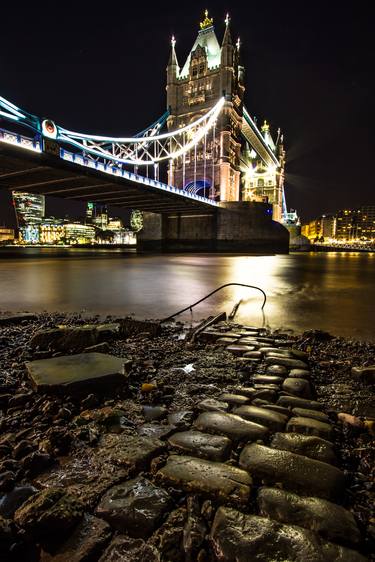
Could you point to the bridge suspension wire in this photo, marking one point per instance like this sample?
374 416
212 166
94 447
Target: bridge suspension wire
213 191
141 151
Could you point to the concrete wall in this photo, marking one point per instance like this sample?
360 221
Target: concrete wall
234 227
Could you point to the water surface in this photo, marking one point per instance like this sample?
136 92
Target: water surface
330 291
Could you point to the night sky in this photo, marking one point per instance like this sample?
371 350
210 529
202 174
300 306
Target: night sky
309 69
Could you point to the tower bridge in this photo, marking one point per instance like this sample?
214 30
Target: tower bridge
204 175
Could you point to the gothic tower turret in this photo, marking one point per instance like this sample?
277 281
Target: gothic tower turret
210 72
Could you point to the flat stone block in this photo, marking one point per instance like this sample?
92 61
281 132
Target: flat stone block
234 399
279 409
136 506
331 521
222 481
286 362
76 372
295 472
306 445
202 445
7 319
278 370
297 402
239 349
314 414
309 426
267 379
132 452
236 537
273 420
299 374
299 387
230 425
212 405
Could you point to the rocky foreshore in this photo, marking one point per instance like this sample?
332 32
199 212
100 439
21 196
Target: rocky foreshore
128 441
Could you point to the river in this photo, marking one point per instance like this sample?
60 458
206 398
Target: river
330 291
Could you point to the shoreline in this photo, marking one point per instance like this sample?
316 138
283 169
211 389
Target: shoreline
44 435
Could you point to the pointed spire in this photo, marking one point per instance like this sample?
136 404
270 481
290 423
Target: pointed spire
227 39
173 57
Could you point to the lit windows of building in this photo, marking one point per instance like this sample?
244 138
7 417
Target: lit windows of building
29 234
29 207
6 235
51 232
76 233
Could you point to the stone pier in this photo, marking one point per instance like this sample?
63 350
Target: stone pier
234 227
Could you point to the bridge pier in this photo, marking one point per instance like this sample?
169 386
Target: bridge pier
235 227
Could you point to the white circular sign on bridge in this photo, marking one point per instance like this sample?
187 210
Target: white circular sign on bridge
49 129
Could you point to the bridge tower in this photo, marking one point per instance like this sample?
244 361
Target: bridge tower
211 71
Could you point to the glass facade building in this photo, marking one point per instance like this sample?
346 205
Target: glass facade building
29 207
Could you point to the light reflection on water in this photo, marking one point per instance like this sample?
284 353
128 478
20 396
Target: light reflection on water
330 291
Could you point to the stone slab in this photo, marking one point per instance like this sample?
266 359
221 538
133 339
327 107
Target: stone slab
219 480
286 362
306 445
314 414
7 319
267 379
76 372
273 420
297 386
234 399
329 520
309 426
297 402
277 370
300 374
212 405
295 472
236 537
202 445
136 506
231 426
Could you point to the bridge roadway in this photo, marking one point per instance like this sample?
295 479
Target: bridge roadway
25 167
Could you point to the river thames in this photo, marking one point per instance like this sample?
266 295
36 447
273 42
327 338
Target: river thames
327 291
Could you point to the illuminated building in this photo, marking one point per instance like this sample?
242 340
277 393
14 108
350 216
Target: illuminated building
6 235
356 224
101 217
51 232
214 168
29 207
76 233
29 234
324 227
90 209
367 222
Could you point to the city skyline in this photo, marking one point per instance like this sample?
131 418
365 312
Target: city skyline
314 184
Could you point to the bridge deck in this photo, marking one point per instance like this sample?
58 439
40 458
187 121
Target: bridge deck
46 174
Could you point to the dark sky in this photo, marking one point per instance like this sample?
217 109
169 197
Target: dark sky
309 69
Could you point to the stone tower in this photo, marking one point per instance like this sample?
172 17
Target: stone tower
211 71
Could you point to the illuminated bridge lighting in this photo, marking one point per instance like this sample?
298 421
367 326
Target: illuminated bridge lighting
19 140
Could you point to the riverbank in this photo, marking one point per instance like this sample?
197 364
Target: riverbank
91 472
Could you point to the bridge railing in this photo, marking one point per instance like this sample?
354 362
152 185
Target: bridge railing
9 137
77 158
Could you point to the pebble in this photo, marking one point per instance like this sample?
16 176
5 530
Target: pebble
219 480
331 521
202 445
309 426
306 445
231 426
295 472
